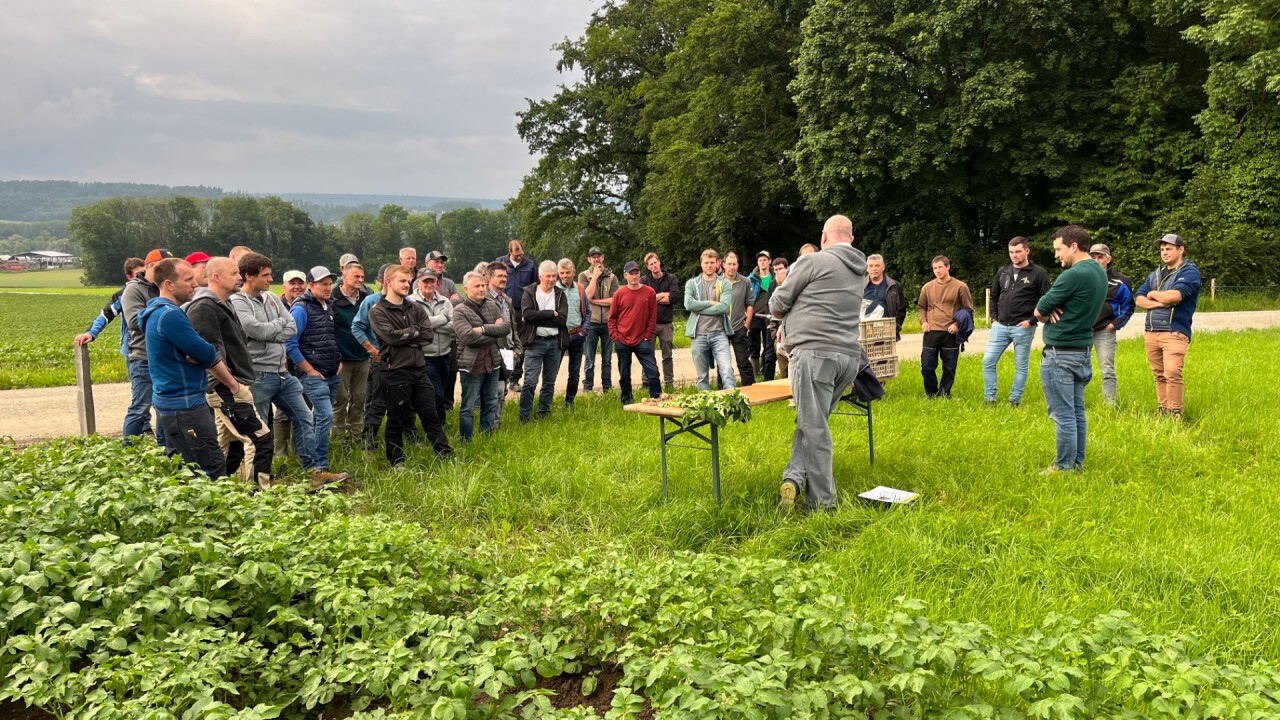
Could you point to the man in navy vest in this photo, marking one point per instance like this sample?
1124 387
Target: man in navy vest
315 354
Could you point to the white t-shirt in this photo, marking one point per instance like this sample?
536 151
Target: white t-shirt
546 301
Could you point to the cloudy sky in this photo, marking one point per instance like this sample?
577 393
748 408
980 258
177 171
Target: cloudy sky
414 97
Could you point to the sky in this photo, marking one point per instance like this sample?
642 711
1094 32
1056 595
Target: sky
406 97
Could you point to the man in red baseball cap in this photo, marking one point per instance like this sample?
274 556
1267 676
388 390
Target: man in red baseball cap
199 262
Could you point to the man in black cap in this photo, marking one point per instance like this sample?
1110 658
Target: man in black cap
435 262
633 320
600 284
1169 296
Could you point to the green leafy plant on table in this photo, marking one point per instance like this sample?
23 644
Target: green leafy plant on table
717 408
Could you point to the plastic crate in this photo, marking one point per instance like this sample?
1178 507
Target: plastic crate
880 349
885 368
883 329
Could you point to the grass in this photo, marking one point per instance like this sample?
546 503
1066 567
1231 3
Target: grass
44 279
36 334
1173 523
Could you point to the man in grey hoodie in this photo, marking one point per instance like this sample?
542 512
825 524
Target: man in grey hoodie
822 341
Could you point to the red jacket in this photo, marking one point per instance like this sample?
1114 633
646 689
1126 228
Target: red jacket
633 317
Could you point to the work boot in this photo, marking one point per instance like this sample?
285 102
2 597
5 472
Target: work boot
321 478
787 496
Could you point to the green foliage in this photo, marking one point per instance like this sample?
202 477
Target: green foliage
36 348
134 588
718 408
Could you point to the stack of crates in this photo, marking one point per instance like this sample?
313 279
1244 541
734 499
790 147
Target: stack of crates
879 339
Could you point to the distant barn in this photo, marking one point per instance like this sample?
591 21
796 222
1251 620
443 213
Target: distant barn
46 259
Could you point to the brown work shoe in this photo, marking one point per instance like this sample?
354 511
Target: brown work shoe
788 493
323 478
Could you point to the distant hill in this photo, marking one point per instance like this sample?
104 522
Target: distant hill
48 200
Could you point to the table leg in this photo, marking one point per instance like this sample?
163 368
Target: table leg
871 436
715 462
662 429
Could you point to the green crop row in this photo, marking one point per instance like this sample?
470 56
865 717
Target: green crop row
36 333
132 588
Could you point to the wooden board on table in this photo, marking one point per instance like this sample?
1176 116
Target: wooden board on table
761 393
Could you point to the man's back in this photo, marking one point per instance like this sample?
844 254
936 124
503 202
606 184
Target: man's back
821 299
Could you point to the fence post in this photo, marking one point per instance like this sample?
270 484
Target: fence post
84 392
1213 289
988 301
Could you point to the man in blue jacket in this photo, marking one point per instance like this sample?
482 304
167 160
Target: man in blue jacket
177 359
1169 296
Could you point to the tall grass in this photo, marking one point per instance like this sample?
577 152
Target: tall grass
1174 523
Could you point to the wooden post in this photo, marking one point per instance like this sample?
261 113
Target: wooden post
988 301
1213 289
84 392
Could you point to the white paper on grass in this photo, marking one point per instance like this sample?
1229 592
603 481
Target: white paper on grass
508 358
890 496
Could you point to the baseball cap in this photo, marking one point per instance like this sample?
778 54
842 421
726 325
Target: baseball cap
197 257
764 253
594 251
436 255
319 273
347 259
1174 240
157 255
291 275
631 266
425 273
1100 249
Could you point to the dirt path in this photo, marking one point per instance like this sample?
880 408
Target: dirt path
31 415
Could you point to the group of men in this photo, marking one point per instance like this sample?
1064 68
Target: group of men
224 361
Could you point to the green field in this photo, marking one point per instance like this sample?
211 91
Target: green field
43 279
1172 523
36 332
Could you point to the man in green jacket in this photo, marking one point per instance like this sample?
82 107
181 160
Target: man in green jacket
1069 310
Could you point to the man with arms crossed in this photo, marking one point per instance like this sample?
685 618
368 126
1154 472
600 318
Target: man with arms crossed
667 289
1169 296
1014 293
1070 308
822 342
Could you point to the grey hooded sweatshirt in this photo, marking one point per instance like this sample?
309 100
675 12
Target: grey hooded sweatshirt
821 300
267 324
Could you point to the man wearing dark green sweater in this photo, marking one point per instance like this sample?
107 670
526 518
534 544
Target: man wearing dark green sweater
1068 311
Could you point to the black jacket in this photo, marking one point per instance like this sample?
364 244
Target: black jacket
402 330
668 283
1015 300
217 323
895 301
534 317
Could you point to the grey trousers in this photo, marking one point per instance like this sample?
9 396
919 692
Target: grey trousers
818 379
1104 343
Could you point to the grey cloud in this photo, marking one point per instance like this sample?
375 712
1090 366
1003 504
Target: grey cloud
395 96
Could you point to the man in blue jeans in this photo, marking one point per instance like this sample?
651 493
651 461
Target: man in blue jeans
633 323
707 298
1014 293
1070 308
136 295
544 334
315 354
268 326
600 284
577 320
479 329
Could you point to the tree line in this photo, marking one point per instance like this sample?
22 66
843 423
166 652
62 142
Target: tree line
940 126
112 230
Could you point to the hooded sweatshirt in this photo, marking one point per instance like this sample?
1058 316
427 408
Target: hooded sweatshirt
135 297
267 325
177 383
217 323
820 300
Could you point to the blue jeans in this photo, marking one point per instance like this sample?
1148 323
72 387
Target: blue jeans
322 392
648 364
706 348
1064 374
1001 337
540 358
285 391
137 419
478 391
598 333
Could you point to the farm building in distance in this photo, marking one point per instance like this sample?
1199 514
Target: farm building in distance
44 259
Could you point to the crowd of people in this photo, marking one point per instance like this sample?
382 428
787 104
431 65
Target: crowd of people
236 374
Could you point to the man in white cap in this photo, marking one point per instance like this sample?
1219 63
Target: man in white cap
1169 296
295 284
315 354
